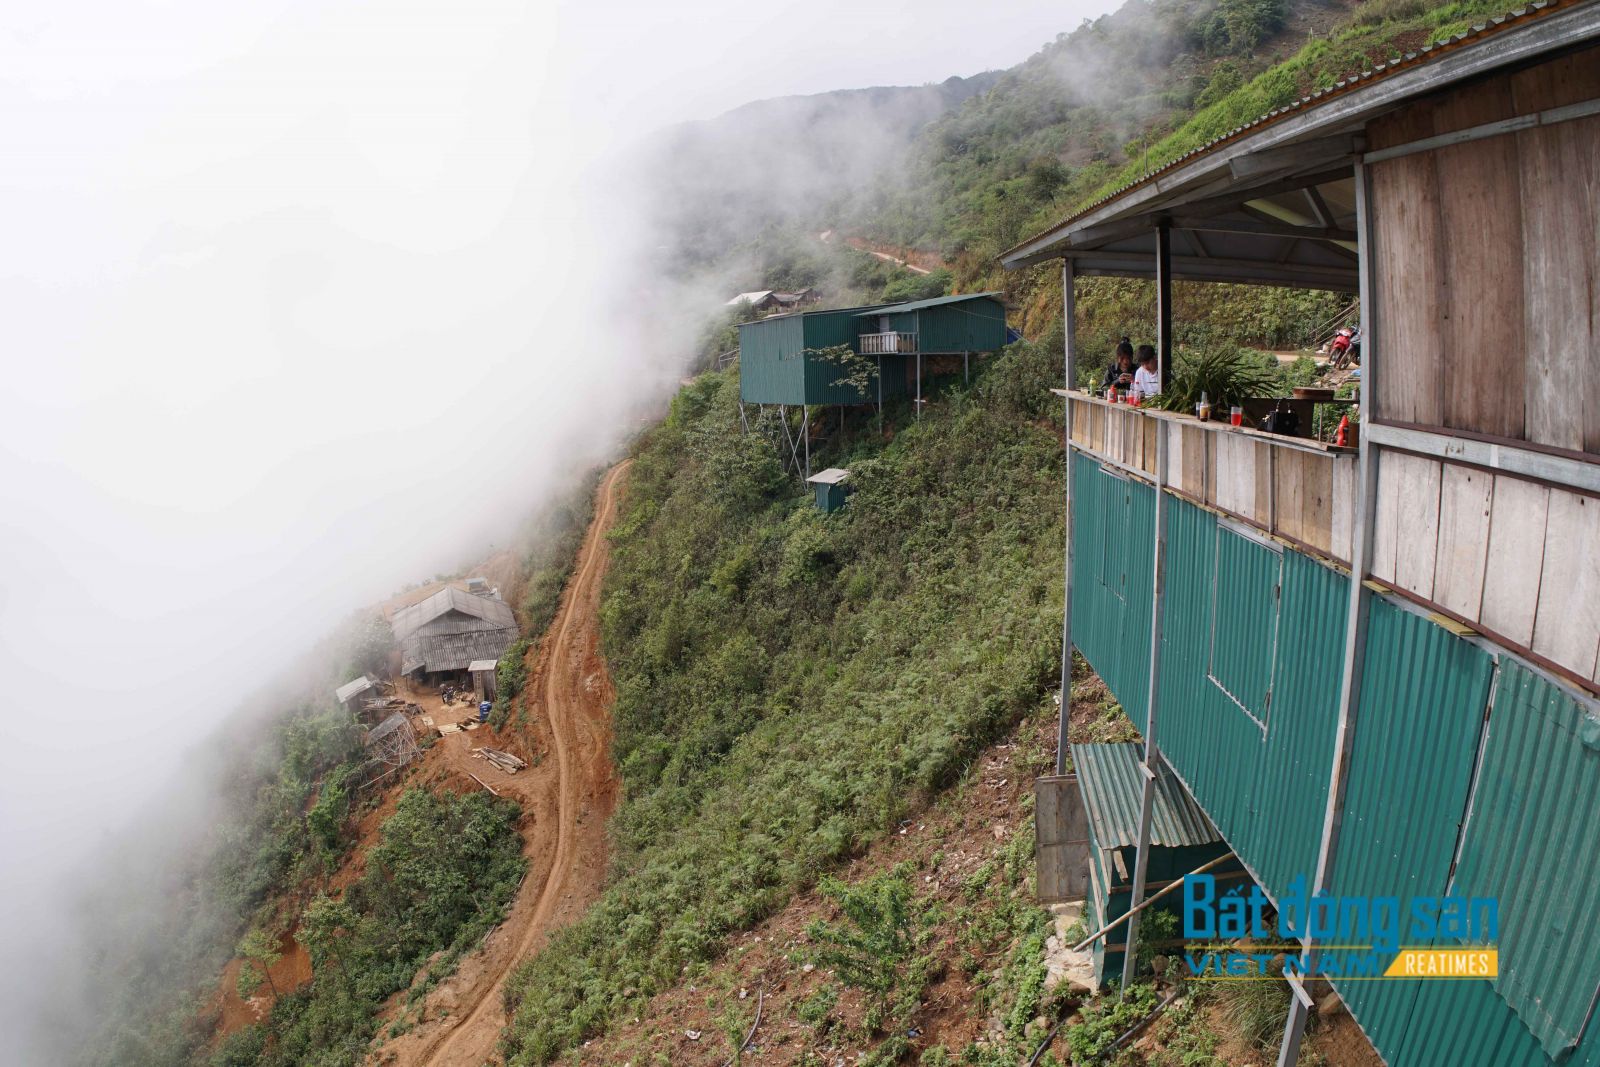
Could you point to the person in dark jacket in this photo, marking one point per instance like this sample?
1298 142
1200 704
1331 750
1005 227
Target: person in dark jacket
1120 372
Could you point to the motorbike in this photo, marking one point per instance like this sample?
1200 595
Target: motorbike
1345 348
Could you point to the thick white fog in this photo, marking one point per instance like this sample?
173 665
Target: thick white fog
305 301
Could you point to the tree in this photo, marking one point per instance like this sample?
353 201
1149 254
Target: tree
325 928
259 951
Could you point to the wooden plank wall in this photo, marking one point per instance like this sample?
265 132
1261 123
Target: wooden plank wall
1302 495
1487 263
1516 559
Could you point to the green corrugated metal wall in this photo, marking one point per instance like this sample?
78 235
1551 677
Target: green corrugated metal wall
771 370
824 329
970 326
1531 842
1535 823
773 367
1266 792
1530 839
1113 522
1424 694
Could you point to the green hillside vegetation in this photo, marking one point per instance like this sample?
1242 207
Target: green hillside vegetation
790 685
281 821
442 875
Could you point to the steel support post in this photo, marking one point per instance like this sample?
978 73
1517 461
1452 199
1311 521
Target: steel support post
1069 315
1355 635
1164 303
805 434
1152 747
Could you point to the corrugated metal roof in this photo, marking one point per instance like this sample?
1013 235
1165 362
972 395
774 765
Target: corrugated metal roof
770 319
388 726
483 665
831 476
351 688
937 301
1113 787
409 620
750 298
1426 54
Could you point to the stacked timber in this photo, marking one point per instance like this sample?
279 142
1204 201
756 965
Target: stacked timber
503 760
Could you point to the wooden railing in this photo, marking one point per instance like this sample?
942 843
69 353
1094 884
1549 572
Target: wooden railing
1293 488
888 344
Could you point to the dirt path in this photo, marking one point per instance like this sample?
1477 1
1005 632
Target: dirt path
913 261
566 796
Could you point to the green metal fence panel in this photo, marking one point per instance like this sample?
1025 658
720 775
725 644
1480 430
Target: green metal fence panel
1532 842
1460 1022
1424 695
1244 621
823 378
771 366
977 325
1266 789
1113 534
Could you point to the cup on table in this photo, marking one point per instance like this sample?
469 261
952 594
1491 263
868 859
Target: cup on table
1236 415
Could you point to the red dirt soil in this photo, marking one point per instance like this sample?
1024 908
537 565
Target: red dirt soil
290 972
566 799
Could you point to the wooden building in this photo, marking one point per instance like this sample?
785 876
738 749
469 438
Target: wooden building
443 634
1377 669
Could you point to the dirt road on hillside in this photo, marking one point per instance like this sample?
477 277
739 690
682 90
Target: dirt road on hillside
566 796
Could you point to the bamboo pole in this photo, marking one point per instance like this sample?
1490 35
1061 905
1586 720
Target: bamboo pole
1130 913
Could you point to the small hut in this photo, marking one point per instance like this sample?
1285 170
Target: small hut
830 488
354 694
483 677
1182 838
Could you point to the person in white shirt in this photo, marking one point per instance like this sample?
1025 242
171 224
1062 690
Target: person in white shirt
1146 380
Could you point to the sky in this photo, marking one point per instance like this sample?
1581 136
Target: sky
303 302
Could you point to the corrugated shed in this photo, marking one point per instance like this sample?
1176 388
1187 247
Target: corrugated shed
1113 788
1533 841
1265 790
1424 695
454 651
397 721
1113 521
352 688
452 628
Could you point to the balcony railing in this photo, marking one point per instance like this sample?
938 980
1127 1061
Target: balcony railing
1293 488
888 344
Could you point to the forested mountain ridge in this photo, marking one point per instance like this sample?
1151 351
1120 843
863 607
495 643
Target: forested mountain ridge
1093 110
